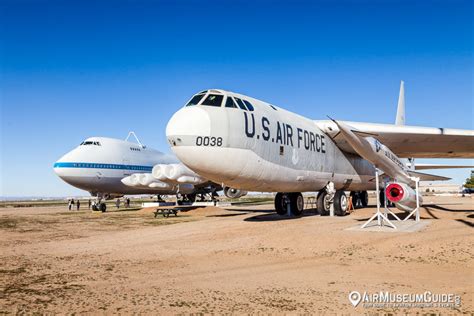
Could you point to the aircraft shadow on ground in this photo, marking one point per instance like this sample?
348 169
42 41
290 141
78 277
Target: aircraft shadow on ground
246 211
272 216
441 208
468 223
227 215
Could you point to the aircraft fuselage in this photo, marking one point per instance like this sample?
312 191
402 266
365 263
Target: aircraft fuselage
268 149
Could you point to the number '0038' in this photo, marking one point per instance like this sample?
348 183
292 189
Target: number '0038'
208 141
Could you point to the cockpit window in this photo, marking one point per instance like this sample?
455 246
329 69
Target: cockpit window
213 100
249 105
90 143
230 103
241 104
195 100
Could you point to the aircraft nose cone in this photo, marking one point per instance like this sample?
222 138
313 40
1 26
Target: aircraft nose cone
185 132
187 124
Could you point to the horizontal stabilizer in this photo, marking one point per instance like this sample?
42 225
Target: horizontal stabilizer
427 176
437 166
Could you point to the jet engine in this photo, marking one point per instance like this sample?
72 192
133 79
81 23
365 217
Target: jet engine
159 171
403 196
176 173
232 193
145 179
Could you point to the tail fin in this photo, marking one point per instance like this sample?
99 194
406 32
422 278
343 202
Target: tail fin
400 119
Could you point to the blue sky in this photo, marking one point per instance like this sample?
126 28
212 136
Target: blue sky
74 69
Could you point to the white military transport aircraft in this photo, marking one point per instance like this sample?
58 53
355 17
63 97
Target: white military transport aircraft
245 143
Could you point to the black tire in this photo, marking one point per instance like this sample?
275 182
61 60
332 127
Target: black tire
296 203
364 198
102 207
355 199
191 197
94 208
280 206
341 204
321 204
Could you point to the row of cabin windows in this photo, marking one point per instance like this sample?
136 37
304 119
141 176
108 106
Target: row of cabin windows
216 100
135 149
90 143
111 166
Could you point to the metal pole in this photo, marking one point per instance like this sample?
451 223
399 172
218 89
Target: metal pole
417 200
377 195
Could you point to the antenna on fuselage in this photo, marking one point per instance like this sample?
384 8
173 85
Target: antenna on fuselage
131 133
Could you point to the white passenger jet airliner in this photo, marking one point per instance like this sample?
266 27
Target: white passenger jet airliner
109 168
248 144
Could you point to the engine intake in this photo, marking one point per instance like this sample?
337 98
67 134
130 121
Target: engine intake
232 193
403 196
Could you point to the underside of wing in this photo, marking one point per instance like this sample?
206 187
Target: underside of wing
438 166
427 177
409 141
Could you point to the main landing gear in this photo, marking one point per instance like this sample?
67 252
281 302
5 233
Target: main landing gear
183 199
99 206
338 199
330 197
327 198
293 202
360 199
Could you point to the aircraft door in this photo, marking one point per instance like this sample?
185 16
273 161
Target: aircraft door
125 171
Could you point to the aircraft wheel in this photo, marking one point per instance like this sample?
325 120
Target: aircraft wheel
355 197
94 208
322 204
191 197
102 207
281 203
340 203
296 203
364 198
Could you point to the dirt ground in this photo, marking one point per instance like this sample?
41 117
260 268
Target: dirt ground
238 260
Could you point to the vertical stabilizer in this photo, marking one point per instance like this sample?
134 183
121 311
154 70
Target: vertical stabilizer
400 119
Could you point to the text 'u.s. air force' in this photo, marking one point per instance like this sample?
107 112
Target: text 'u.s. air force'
284 134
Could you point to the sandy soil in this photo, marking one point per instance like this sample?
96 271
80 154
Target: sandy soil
212 260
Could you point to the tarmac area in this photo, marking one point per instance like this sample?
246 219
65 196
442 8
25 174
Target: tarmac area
241 259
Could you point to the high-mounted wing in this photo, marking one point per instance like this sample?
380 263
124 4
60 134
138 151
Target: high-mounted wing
409 141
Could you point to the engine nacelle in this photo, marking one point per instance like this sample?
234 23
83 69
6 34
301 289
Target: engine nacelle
132 180
159 171
232 193
176 173
403 196
145 179
160 185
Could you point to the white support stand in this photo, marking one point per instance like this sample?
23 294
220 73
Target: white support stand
382 218
416 211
